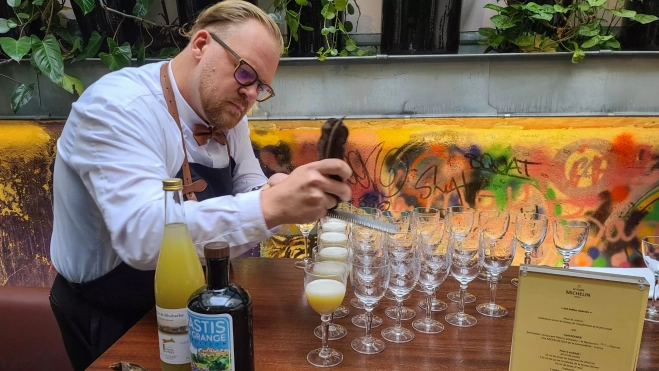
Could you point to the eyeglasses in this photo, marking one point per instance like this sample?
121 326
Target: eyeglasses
245 74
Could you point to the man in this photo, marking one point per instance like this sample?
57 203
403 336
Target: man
124 136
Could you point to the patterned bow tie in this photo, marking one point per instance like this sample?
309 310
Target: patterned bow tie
203 133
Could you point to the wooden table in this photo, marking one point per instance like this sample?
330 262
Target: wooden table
284 323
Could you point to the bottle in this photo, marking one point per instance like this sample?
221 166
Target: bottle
178 276
221 318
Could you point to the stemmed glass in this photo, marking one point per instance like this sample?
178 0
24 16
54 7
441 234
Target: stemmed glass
650 247
360 248
359 234
466 261
400 245
499 254
405 265
325 287
435 266
333 240
305 229
459 222
339 255
569 238
492 224
424 220
530 231
369 275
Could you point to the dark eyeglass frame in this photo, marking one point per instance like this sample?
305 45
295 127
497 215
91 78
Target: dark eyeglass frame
242 62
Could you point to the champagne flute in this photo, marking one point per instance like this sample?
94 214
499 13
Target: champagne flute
650 247
305 229
364 251
424 220
530 232
459 223
466 261
325 287
569 238
499 254
493 224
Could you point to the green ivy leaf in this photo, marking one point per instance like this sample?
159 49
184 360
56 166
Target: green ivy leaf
306 28
141 55
344 53
503 21
351 42
591 42
77 45
86 5
496 40
347 27
328 30
583 8
360 52
142 7
21 95
12 23
48 57
16 49
560 8
292 13
292 25
495 8
33 63
324 2
328 11
623 13
72 85
37 2
595 3
487 31
119 56
334 52
591 29
351 48
578 54
340 5
13 3
351 9
524 40
302 2
644 18
94 44
613 44
23 15
543 16
4 28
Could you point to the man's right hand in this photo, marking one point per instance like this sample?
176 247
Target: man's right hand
306 194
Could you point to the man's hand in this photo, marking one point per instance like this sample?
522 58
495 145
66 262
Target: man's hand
306 194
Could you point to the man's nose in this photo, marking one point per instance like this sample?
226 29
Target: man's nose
250 92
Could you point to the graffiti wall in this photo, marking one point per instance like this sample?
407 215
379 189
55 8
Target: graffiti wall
605 170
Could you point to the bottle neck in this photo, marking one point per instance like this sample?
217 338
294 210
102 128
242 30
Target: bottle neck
217 271
174 210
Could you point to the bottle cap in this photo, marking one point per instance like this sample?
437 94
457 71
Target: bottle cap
173 184
216 250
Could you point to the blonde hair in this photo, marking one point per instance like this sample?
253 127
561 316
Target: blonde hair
229 13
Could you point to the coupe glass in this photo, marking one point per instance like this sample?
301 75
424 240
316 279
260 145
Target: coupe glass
459 223
499 254
569 238
369 275
530 231
650 247
435 266
305 229
492 224
466 261
325 287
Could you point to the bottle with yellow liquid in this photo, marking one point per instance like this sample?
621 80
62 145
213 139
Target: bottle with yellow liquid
178 276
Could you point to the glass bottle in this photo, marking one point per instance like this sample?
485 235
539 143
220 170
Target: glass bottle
221 318
178 276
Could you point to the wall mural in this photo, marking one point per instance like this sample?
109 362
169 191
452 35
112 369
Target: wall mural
606 171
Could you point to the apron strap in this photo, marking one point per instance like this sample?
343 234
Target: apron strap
189 188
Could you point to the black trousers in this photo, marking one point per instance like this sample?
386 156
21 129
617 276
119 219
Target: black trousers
94 315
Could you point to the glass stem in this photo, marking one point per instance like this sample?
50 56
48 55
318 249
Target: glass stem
369 320
306 246
654 293
399 312
493 289
566 262
463 292
331 322
429 295
527 257
325 352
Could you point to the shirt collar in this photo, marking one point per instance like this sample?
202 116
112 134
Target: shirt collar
185 112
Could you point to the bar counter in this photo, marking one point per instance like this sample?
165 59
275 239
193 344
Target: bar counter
284 323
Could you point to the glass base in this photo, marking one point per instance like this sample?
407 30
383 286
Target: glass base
405 313
367 345
460 320
341 311
428 326
652 315
436 306
302 263
455 297
397 335
333 358
360 321
356 303
514 281
491 310
336 332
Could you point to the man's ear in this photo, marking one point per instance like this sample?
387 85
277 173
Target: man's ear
198 42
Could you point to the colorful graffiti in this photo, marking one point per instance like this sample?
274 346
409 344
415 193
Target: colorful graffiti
603 169
607 175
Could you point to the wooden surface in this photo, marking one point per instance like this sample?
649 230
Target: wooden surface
284 323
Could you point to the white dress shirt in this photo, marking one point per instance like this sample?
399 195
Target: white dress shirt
116 147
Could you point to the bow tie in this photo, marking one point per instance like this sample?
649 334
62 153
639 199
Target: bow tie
203 133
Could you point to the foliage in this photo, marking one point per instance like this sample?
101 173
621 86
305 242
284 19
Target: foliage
335 26
523 26
39 31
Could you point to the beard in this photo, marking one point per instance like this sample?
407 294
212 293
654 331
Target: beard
219 112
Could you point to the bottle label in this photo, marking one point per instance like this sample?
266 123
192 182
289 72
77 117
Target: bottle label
211 341
173 337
